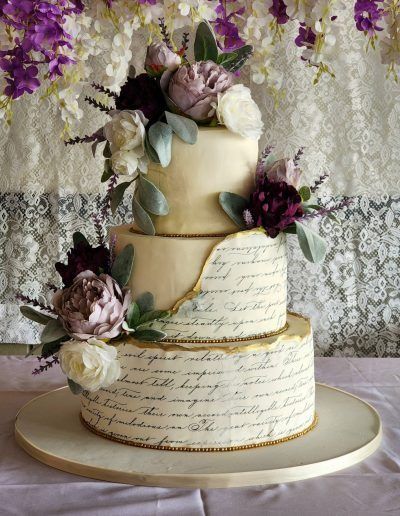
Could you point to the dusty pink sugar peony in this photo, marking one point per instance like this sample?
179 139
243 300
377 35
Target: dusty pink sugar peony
194 88
93 306
284 170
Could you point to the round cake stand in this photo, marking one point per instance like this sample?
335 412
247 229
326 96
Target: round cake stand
348 431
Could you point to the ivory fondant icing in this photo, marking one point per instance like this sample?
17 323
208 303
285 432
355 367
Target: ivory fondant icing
219 161
217 397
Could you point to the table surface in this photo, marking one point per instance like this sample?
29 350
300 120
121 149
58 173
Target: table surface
371 488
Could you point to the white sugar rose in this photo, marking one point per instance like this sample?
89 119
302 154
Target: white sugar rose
92 364
239 113
126 133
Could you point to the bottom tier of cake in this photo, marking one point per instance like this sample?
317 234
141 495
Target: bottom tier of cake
205 398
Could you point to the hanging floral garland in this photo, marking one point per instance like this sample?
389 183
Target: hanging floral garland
50 42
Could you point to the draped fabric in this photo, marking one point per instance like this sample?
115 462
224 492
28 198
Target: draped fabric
349 127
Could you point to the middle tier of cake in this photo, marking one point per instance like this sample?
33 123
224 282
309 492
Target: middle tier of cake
218 287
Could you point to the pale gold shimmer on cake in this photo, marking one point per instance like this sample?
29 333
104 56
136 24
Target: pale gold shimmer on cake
199 450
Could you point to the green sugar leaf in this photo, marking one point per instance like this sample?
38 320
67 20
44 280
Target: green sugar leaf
234 206
312 245
78 237
118 194
145 302
142 218
149 335
53 331
185 128
160 138
205 46
35 315
151 198
74 387
122 266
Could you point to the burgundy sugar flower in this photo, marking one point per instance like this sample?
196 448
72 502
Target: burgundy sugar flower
142 93
81 258
274 206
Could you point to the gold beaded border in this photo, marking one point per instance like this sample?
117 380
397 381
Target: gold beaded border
188 449
182 235
228 339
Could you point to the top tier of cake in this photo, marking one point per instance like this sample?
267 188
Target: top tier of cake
219 161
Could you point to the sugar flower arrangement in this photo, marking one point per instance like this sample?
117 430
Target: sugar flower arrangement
280 203
173 96
90 314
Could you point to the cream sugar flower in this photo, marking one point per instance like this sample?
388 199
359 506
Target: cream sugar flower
239 113
92 364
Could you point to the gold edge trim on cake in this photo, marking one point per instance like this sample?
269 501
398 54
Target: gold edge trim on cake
189 449
226 349
181 235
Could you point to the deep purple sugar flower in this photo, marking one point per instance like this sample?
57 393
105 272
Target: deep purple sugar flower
84 257
367 15
274 206
142 93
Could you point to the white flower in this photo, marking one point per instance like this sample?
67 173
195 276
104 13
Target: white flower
126 133
92 364
239 113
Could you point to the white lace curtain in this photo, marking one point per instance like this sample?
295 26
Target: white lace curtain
349 126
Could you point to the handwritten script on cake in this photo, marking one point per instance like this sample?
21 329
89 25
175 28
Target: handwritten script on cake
207 398
240 293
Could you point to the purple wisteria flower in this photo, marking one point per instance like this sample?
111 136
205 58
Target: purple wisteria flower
278 10
225 25
367 15
306 36
39 38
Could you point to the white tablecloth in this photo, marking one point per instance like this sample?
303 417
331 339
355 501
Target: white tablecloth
372 488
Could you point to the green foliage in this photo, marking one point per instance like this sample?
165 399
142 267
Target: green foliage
234 206
311 244
242 55
145 302
53 331
122 266
152 315
185 128
151 198
305 193
34 315
74 387
51 348
78 237
150 335
107 150
108 171
160 138
118 194
133 316
141 218
205 46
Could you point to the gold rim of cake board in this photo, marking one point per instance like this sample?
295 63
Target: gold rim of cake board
189 449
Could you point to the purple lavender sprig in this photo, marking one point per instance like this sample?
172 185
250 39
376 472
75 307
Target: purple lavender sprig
36 303
48 364
166 37
93 102
319 182
81 139
248 219
184 46
298 155
345 203
260 169
113 243
104 90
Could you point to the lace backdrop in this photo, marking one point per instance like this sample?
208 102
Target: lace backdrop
349 126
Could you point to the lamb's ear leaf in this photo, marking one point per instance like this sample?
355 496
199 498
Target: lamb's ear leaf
141 218
108 171
145 302
122 266
151 153
234 206
151 198
133 315
33 350
291 230
74 387
149 335
50 348
312 245
78 237
53 331
185 128
205 45
160 138
153 316
118 194
34 315
243 53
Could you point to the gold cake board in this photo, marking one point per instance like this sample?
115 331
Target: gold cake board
348 431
